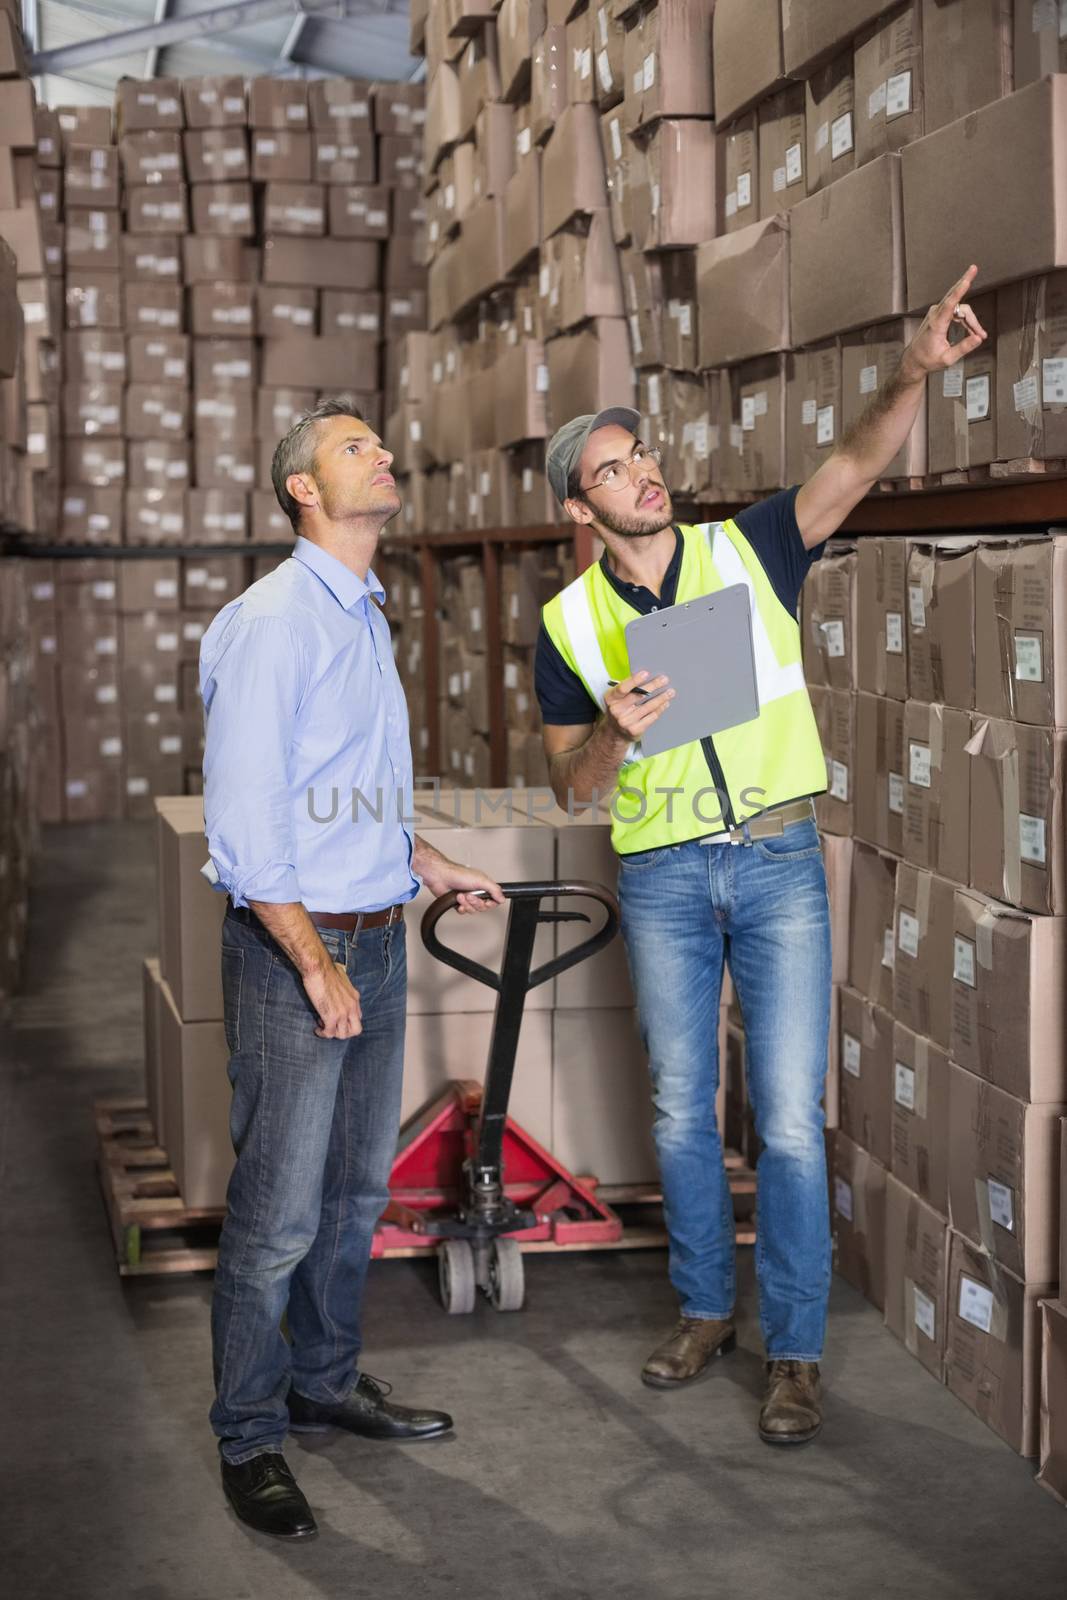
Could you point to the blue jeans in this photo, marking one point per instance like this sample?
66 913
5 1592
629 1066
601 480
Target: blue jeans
314 1123
762 907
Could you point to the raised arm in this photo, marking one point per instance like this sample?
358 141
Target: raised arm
870 444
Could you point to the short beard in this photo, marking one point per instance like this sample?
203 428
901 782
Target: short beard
630 528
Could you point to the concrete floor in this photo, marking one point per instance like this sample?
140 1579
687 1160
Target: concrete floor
567 1478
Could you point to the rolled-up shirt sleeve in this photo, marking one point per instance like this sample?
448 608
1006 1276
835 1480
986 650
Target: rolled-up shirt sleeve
251 690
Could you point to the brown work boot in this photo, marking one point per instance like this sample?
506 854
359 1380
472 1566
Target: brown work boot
686 1354
792 1406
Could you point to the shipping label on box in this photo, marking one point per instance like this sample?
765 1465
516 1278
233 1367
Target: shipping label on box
1017 814
916 1256
940 621
858 1209
1020 606
828 615
920 1136
830 122
866 1058
937 789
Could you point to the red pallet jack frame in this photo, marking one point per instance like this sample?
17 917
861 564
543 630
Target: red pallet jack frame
468 1182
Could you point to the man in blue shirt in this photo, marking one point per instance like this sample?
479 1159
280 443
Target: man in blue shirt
307 768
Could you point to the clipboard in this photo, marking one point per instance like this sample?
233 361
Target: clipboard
705 648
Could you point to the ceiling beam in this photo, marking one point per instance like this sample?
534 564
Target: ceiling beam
151 55
173 30
292 38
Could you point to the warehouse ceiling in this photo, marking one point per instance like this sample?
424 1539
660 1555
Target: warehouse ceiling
285 38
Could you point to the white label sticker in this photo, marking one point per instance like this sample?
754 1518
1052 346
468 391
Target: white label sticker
952 383
904 1085
841 136
898 94
1032 839
978 398
794 164
839 780
916 605
1001 1207
1025 394
919 765
834 635
654 394
822 137
963 961
778 180
843 1199
685 319
894 633
603 67
976 1304
851 1054
888 948
1028 663
744 190
809 412
868 380
876 101
824 425
925 1314
111 747
908 934
1054 381
649 72
896 793
748 412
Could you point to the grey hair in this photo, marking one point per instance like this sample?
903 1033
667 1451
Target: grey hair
296 451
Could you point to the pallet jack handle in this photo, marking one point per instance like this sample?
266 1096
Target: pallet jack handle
526 892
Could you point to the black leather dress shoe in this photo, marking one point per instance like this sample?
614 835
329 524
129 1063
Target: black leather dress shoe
264 1493
365 1411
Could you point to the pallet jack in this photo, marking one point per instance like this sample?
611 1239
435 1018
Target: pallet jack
467 1181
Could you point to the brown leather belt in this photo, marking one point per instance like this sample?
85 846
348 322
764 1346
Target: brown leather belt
356 921
768 825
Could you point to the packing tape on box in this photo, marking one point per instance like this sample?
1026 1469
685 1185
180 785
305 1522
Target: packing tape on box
936 731
924 883
911 1329
1004 574
984 930
922 1076
1013 861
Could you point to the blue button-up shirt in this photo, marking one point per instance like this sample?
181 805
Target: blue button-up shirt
307 761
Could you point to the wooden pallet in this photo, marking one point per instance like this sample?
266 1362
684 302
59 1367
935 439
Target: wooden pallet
155 1232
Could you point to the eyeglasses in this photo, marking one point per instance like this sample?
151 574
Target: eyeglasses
617 475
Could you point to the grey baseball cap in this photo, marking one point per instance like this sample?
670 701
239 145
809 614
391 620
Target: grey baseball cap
567 443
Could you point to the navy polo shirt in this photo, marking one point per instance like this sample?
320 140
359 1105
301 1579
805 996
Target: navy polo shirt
771 529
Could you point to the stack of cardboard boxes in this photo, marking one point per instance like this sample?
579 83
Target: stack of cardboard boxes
579 192
18 766
939 684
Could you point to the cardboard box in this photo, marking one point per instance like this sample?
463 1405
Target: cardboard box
217 155
1005 1176
147 586
156 411
921 1157
91 174
400 108
970 65
91 515
1019 232
734 324
1021 669
151 158
881 599
148 307
866 1085
155 516
1008 1010
581 274
339 156
359 211
1040 44
278 103
858 1188
144 259
93 410
1031 337
522 213
351 311
225 464
224 363
1017 814
753 425
81 125
916 1276
190 911
283 312
889 83
834 715
880 766
218 516
666 55
548 82
813 414
738 158
572 169
348 363
746 55
93 300
92 240
847 254
601 1108
941 653
222 210
1053 1443
227 412
869 358
321 263
448 1045
196 1099
153 1059
287 157
962 404
937 789
206 259
830 122
923 953
782 150
871 939
217 102
297 209
160 358
816 30
589 369
828 616
993 1350
153 103
673 188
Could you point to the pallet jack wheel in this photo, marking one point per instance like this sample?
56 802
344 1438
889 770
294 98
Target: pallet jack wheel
507 1279
455 1277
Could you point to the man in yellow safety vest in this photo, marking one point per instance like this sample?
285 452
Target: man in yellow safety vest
689 902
